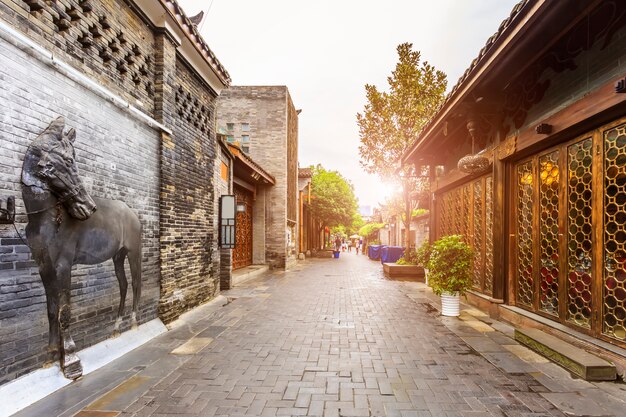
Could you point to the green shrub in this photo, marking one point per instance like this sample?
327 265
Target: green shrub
422 254
416 257
409 258
449 266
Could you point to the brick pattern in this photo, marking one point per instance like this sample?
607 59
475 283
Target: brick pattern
105 39
33 94
339 340
222 187
266 110
292 161
189 255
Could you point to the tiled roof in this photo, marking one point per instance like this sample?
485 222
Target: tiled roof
518 10
305 173
236 150
490 42
194 35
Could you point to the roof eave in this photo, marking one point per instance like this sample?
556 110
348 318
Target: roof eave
169 16
501 46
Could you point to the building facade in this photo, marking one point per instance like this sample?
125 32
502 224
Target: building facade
264 122
527 163
139 85
311 234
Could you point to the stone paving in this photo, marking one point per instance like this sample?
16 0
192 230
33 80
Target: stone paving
334 338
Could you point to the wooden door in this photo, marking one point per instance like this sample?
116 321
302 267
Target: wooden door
242 254
570 233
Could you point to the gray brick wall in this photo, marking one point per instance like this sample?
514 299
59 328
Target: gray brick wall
223 187
266 110
121 48
258 226
33 94
189 253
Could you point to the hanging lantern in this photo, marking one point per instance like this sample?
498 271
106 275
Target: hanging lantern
473 163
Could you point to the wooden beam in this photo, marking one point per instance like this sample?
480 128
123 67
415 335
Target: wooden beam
599 106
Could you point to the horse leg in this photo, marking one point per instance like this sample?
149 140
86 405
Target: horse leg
72 368
48 277
134 259
118 261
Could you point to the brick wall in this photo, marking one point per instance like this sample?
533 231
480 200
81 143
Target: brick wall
33 94
166 178
223 187
292 160
105 39
266 110
293 214
189 255
258 225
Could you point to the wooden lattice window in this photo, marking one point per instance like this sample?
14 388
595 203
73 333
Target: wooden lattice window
468 210
570 233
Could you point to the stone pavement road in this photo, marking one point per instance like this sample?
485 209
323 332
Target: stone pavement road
333 338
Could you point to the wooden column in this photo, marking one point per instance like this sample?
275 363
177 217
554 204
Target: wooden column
432 208
500 229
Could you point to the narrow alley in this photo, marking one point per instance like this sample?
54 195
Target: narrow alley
332 337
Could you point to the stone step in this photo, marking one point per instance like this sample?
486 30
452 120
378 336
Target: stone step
575 360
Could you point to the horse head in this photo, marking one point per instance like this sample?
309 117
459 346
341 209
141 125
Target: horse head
50 165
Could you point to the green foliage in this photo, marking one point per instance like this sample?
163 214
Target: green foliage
333 202
409 258
449 266
393 119
370 229
418 212
357 223
338 231
422 254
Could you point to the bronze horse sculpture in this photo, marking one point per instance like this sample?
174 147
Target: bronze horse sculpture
65 229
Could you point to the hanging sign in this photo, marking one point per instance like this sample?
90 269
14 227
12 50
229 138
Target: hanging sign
227 221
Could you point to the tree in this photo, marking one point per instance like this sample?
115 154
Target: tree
357 223
370 230
393 119
333 202
394 206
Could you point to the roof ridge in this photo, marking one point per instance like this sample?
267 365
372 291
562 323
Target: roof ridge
196 37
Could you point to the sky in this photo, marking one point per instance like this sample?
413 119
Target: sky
326 51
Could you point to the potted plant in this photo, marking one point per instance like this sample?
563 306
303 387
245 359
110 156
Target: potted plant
449 270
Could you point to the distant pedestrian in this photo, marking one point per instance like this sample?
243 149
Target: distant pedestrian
337 244
357 249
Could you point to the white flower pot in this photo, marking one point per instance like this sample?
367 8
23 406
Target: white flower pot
450 304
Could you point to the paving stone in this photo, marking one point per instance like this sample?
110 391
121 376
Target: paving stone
576 405
336 339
